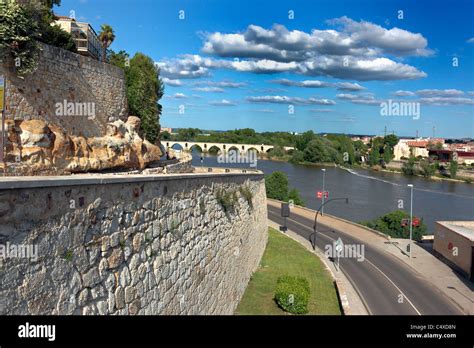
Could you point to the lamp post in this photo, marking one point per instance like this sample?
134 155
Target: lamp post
324 193
315 227
411 214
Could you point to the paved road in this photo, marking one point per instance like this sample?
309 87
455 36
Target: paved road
385 284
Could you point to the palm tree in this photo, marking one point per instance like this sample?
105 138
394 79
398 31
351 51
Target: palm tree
106 36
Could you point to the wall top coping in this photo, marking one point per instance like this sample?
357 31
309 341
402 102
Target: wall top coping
23 182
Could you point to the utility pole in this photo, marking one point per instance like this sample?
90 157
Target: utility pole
324 192
385 131
411 215
434 129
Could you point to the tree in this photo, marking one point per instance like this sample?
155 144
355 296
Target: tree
188 134
297 157
165 135
294 196
392 224
321 150
304 139
18 34
144 90
106 37
427 169
453 168
118 59
277 186
360 150
408 167
391 140
41 12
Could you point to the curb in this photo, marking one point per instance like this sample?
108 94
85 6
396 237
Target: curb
341 293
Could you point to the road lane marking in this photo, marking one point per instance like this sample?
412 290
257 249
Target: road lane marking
362 298
378 269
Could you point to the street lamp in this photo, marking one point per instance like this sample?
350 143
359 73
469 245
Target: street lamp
324 193
315 227
411 214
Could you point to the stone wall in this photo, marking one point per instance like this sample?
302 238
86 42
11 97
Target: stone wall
169 244
63 75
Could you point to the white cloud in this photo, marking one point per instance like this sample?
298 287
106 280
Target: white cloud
275 99
223 102
321 111
221 84
401 93
170 82
345 86
471 40
353 51
209 89
446 101
439 92
179 96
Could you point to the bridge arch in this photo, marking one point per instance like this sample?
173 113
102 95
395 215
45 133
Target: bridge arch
176 146
252 148
233 148
197 147
214 149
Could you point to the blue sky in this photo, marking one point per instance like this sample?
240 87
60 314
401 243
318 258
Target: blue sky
236 64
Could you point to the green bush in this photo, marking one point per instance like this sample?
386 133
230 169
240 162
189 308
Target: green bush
226 199
292 294
391 224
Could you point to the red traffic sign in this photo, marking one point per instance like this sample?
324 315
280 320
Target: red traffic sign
320 194
415 222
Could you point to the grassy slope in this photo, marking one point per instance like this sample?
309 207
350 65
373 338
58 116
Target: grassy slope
285 256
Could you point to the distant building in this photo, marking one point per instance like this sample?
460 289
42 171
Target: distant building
416 147
462 157
454 240
166 129
84 36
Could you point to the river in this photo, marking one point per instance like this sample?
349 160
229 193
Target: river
370 193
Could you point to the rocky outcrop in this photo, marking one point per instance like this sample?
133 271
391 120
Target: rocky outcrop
35 146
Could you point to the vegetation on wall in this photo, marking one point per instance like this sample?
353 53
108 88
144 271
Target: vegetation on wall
22 25
17 38
144 90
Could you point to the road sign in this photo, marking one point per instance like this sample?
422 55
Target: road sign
320 194
338 245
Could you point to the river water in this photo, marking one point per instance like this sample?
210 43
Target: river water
370 193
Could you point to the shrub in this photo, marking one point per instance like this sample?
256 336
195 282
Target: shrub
246 192
226 199
427 169
391 224
292 294
408 167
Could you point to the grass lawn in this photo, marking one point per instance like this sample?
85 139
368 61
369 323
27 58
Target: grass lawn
285 256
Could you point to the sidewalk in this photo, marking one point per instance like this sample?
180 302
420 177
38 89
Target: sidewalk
424 263
351 302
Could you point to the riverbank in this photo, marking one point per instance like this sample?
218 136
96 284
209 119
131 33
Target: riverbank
388 169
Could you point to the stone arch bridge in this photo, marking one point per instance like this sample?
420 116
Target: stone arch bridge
221 147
